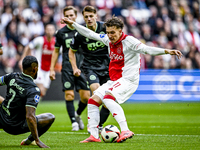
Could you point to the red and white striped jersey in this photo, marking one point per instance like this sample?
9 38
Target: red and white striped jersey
124 54
42 50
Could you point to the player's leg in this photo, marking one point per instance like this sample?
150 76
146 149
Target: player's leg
121 90
95 80
84 96
69 100
68 82
93 119
93 113
46 82
118 114
44 122
104 112
84 92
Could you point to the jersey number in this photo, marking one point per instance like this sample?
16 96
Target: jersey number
11 91
67 42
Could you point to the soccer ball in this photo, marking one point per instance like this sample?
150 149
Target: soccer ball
110 134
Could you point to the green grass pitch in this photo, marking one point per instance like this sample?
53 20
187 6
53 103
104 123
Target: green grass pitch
157 126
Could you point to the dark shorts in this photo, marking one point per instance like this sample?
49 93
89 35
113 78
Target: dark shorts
95 76
17 129
70 82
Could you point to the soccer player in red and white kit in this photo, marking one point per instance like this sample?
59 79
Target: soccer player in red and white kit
124 70
42 48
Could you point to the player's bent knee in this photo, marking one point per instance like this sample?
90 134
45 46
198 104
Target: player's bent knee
69 96
51 117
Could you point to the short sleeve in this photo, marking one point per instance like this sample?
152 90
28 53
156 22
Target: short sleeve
4 79
33 97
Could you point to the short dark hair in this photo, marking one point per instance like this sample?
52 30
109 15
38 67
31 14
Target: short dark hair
69 8
114 21
27 61
89 9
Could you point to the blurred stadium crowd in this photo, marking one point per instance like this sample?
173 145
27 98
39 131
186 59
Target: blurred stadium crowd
172 24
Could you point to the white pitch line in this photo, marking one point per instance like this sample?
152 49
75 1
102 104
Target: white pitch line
78 133
135 134
163 127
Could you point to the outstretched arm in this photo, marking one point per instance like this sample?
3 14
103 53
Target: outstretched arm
142 48
85 31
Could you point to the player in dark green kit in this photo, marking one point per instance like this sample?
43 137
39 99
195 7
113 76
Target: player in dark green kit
96 58
63 39
17 111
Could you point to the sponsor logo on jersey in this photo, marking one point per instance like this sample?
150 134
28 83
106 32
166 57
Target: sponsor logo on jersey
102 35
67 84
12 83
95 45
37 98
114 56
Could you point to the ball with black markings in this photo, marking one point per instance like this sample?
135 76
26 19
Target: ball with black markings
110 134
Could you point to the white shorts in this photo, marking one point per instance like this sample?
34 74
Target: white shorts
43 78
121 89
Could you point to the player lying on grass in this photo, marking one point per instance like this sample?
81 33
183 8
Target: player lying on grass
124 69
17 111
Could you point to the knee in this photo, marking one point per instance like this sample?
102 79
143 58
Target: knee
69 95
85 96
51 117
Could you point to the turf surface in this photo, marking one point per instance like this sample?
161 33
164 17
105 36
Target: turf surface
158 126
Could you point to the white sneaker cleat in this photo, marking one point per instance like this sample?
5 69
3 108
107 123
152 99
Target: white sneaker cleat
79 121
75 126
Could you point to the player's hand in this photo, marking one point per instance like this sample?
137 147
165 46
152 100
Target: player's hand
66 20
52 75
174 52
40 144
77 72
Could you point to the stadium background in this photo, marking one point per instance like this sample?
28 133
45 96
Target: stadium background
173 24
